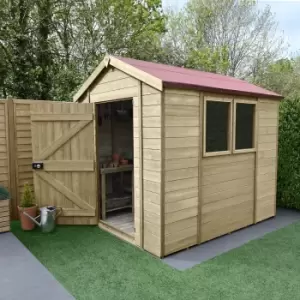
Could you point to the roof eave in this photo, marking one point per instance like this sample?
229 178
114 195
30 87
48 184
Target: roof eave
218 90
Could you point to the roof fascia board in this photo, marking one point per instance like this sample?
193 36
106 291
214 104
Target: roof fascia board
136 73
103 64
124 67
221 91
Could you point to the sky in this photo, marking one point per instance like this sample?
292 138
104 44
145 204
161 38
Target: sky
287 13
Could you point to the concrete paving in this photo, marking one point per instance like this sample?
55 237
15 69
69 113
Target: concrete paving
188 258
22 276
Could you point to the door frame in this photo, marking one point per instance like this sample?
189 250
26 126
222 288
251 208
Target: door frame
102 223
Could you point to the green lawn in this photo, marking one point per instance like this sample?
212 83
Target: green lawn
92 264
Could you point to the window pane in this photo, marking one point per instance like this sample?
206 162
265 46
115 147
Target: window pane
217 126
244 129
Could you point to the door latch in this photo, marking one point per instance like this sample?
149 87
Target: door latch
37 166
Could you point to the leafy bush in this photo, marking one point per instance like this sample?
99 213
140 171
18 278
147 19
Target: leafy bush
4 194
288 178
28 197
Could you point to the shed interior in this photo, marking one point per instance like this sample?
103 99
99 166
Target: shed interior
115 160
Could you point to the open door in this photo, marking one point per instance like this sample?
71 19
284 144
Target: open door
64 160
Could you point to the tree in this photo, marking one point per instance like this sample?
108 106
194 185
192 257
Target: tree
50 46
226 36
44 55
283 77
16 41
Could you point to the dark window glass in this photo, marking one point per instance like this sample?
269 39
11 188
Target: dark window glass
217 126
244 130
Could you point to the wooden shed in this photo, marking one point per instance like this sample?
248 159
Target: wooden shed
199 153
204 151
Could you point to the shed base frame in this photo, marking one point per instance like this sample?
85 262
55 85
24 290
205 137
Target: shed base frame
116 232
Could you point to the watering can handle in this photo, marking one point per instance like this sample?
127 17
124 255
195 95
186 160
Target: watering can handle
33 219
58 212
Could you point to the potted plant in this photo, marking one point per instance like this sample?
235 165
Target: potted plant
27 205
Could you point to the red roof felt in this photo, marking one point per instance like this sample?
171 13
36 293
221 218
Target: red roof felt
193 79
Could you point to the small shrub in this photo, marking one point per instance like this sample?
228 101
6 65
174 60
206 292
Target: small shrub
28 197
288 178
4 194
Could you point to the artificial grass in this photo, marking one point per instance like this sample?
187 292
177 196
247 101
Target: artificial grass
92 264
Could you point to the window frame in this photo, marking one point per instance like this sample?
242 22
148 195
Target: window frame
255 125
230 121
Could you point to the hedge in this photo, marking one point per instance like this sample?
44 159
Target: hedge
288 178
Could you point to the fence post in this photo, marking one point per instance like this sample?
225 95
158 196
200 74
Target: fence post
12 158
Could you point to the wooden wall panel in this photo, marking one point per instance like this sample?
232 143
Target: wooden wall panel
181 172
152 166
23 138
266 166
228 194
4 147
112 85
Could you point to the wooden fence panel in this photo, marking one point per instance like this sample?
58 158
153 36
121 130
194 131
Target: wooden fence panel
4 165
23 152
15 148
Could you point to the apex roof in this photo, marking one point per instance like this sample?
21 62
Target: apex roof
160 76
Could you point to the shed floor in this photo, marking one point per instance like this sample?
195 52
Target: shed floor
188 258
122 221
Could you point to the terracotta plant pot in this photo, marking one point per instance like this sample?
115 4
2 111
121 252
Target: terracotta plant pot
116 157
124 162
26 223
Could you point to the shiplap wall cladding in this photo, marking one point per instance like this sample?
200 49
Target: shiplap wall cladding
181 174
267 144
152 166
227 194
112 85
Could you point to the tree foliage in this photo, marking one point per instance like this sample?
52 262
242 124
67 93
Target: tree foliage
283 77
224 36
47 47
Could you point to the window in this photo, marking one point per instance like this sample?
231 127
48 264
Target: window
217 127
229 126
244 126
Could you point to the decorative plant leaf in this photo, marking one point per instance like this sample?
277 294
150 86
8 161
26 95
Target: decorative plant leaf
4 194
28 196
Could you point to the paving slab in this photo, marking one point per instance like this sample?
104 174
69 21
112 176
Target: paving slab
193 256
22 276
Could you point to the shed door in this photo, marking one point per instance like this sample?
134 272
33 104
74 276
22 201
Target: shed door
63 140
